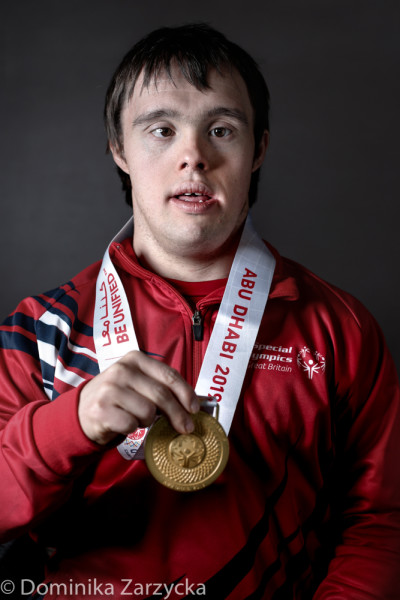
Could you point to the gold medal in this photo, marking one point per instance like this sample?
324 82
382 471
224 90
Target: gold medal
187 462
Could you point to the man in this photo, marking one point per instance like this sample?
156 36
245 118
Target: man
308 504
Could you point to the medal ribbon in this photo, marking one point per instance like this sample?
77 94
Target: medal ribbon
232 340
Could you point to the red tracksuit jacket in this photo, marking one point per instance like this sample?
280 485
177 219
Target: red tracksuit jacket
309 503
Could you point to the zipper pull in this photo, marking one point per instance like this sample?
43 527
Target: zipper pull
197 326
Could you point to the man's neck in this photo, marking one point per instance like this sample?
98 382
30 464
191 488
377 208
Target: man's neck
186 260
187 269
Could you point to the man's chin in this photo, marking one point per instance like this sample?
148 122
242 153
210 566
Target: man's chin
201 242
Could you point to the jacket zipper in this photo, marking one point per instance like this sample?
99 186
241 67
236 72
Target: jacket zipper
197 326
198 334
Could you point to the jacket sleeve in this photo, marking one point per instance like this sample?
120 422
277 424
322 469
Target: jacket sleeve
366 558
43 448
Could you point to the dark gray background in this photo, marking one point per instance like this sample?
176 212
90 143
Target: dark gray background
329 192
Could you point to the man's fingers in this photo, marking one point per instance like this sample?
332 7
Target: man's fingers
128 395
169 379
164 388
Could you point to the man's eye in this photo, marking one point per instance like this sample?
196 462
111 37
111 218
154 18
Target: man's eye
220 132
162 132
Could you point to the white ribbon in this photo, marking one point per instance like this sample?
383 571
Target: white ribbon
113 331
229 349
235 330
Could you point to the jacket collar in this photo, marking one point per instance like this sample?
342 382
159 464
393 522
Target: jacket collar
283 286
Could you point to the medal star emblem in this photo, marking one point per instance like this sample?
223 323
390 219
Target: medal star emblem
187 451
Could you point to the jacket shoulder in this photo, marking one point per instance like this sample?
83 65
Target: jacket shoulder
316 293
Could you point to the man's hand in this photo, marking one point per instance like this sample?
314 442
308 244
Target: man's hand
128 394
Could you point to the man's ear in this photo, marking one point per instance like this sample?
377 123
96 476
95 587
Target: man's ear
119 158
261 151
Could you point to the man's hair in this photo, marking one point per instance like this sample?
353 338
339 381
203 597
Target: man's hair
195 49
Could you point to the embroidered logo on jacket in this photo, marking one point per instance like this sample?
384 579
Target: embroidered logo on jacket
271 358
311 362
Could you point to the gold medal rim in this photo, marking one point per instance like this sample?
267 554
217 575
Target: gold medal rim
210 423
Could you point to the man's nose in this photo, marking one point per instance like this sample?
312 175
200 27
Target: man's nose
193 153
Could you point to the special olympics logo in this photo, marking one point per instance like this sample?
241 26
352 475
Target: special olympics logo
138 434
311 362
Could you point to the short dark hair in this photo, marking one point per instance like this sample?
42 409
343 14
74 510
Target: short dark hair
195 48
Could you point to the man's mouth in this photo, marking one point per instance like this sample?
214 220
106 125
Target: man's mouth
193 197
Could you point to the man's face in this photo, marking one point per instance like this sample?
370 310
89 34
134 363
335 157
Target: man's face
190 155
